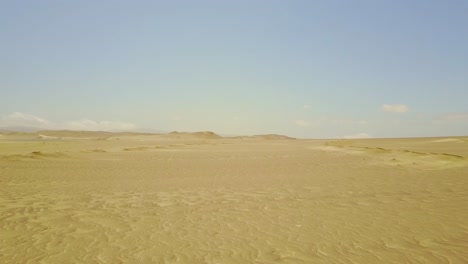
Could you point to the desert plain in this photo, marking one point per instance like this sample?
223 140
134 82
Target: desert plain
99 197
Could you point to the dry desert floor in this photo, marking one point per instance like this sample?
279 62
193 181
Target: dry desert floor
82 197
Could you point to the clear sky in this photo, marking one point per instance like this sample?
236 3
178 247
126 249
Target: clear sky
310 69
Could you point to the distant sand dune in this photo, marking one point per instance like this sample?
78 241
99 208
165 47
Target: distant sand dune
94 151
136 149
272 137
34 155
266 137
400 157
443 140
201 135
74 134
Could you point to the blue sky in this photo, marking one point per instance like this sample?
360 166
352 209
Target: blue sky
309 69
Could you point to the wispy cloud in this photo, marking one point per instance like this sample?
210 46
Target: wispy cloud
456 117
87 124
21 119
345 122
27 120
302 123
395 108
452 118
325 121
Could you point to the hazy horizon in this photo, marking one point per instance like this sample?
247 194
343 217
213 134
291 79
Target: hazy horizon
307 69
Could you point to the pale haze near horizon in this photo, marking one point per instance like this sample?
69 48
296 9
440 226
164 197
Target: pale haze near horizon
308 69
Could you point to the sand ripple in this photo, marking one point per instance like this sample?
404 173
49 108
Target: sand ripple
230 203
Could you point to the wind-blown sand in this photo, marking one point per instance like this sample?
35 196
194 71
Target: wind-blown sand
199 198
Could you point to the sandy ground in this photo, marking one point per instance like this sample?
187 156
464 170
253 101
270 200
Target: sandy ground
195 198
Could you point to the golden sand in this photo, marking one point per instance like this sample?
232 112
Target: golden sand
196 198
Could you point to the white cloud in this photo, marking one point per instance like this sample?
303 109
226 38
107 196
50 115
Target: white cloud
452 118
362 122
455 117
302 123
87 124
21 119
342 122
358 135
176 118
325 121
395 108
306 106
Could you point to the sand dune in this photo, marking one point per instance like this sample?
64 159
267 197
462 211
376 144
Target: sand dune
199 198
32 155
188 135
266 137
74 134
394 155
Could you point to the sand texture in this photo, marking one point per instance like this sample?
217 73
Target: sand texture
69 197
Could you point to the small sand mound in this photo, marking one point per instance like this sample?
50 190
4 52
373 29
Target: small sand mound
47 137
74 134
401 157
33 156
39 154
136 149
272 137
447 140
202 135
98 150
